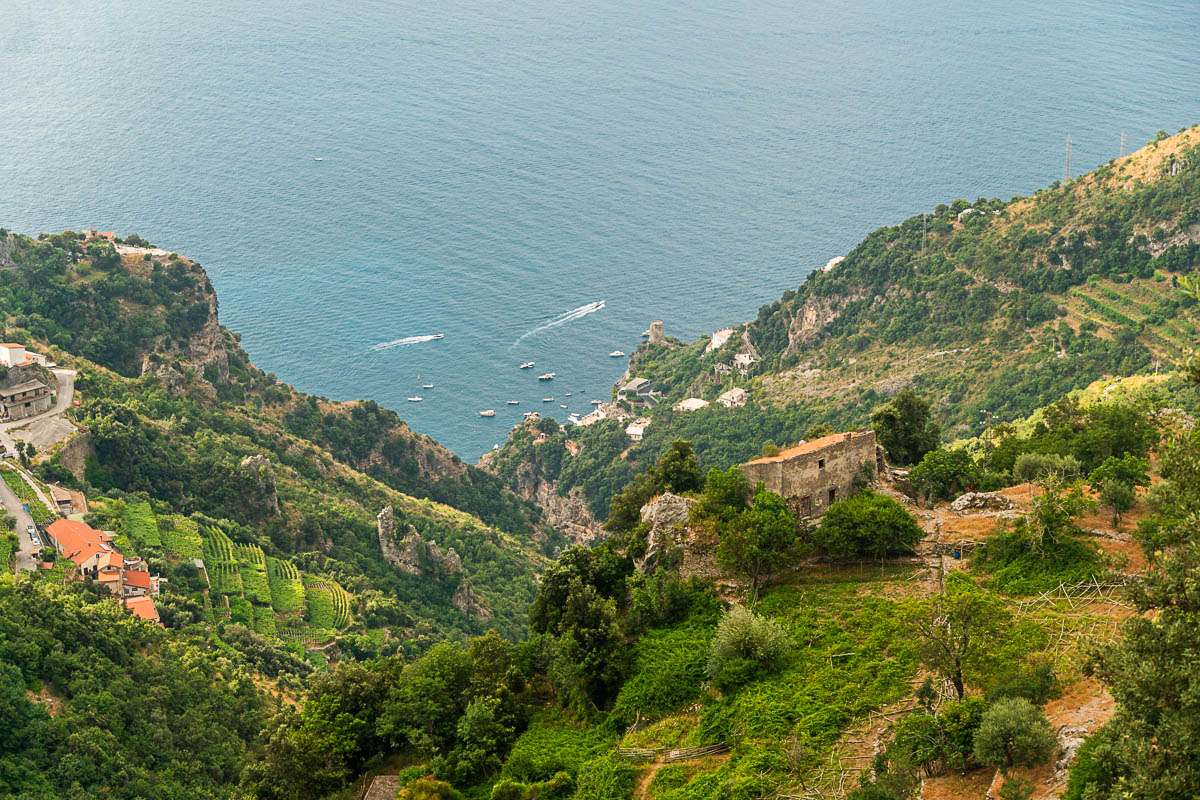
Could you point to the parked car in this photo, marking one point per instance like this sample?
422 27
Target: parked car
30 530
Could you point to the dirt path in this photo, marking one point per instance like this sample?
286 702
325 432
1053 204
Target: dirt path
643 783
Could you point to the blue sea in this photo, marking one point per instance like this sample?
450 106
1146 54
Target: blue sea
488 168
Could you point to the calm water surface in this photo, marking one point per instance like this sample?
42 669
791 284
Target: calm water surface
488 167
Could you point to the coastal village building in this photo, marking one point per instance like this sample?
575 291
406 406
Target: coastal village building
93 554
13 355
813 475
691 404
637 429
638 390
734 398
718 340
26 399
742 362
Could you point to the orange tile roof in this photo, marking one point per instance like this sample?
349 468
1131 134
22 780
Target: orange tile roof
142 607
12 346
808 447
139 579
79 542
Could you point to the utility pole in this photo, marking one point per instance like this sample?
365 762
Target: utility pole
1122 142
1067 166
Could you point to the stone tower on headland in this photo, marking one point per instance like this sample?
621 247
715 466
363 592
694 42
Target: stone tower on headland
656 332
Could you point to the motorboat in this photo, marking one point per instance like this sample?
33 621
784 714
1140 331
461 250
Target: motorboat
487 413
597 402
416 399
547 399
617 354
561 405
427 386
549 376
514 402
526 365
438 336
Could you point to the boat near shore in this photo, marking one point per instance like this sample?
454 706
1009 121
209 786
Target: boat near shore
487 413
617 354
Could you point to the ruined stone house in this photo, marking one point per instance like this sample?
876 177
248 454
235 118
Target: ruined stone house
813 475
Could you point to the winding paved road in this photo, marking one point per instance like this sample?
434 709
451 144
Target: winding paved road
27 555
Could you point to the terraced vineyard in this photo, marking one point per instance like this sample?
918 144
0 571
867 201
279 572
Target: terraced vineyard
267 594
253 567
140 526
287 592
1168 326
181 536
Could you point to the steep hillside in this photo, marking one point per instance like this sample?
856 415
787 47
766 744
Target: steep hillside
175 412
988 309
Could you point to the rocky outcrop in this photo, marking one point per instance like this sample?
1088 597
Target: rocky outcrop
263 474
8 250
412 555
567 514
73 455
673 542
980 501
812 317
469 604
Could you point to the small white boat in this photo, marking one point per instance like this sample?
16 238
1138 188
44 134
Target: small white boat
560 405
526 365
427 386
514 402
438 336
616 354
547 399
646 334
416 399
568 394
317 158
487 413
597 402
549 376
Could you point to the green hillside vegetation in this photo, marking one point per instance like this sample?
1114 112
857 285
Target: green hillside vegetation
989 316
178 435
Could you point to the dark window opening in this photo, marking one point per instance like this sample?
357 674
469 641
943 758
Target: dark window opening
820 463
806 504
832 496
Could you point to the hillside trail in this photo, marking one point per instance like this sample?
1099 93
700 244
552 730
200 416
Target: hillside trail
639 790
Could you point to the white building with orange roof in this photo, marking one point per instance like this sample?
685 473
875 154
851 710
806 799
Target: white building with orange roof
89 549
12 355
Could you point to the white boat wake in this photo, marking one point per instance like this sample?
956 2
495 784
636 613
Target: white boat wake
406 340
563 319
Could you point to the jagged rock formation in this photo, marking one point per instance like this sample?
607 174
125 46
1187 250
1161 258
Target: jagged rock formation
412 555
569 515
470 604
260 469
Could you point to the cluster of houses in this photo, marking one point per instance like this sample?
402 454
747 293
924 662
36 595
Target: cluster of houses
94 556
27 395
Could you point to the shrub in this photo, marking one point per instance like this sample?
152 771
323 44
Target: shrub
960 720
1096 767
867 525
1037 683
1032 466
744 646
1014 733
604 778
429 789
944 474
